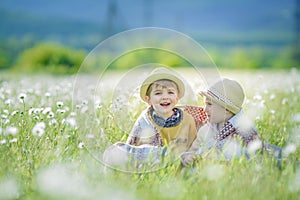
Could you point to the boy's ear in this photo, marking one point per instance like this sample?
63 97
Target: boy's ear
228 112
147 98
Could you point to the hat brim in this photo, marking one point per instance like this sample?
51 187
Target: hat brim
160 76
219 102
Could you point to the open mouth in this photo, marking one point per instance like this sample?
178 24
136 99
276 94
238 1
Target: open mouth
165 104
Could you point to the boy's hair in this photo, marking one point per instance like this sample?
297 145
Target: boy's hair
227 93
163 83
162 73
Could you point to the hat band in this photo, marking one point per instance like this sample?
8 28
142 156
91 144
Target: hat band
224 101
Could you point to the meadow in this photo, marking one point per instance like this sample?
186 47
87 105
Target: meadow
53 131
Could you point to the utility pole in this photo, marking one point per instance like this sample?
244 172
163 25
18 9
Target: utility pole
111 17
297 32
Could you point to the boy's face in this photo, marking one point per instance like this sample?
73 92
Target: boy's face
163 97
216 113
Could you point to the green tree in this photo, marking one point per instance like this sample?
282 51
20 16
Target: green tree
50 58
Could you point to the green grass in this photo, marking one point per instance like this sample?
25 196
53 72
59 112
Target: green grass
64 162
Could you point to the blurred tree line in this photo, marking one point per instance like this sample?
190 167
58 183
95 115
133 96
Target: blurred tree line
30 57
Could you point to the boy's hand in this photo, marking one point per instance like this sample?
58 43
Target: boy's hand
187 159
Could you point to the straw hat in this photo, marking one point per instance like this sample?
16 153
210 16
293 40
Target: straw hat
227 93
159 74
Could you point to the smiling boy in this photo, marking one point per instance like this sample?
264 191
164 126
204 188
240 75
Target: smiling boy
162 124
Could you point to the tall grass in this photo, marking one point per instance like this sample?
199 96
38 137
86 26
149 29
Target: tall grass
51 145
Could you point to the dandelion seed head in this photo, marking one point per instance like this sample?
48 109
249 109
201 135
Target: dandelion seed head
289 149
262 104
9 189
257 97
115 156
254 146
39 129
90 136
213 172
295 117
272 96
71 122
173 187
294 184
60 182
73 114
11 130
232 149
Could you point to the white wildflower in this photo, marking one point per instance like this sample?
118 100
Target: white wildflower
8 102
272 96
53 122
22 96
78 106
3 141
60 111
31 111
13 140
81 145
47 110
4 116
47 94
59 104
14 113
272 112
84 109
50 115
284 101
257 97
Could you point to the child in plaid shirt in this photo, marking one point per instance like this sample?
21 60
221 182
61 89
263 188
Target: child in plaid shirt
228 132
